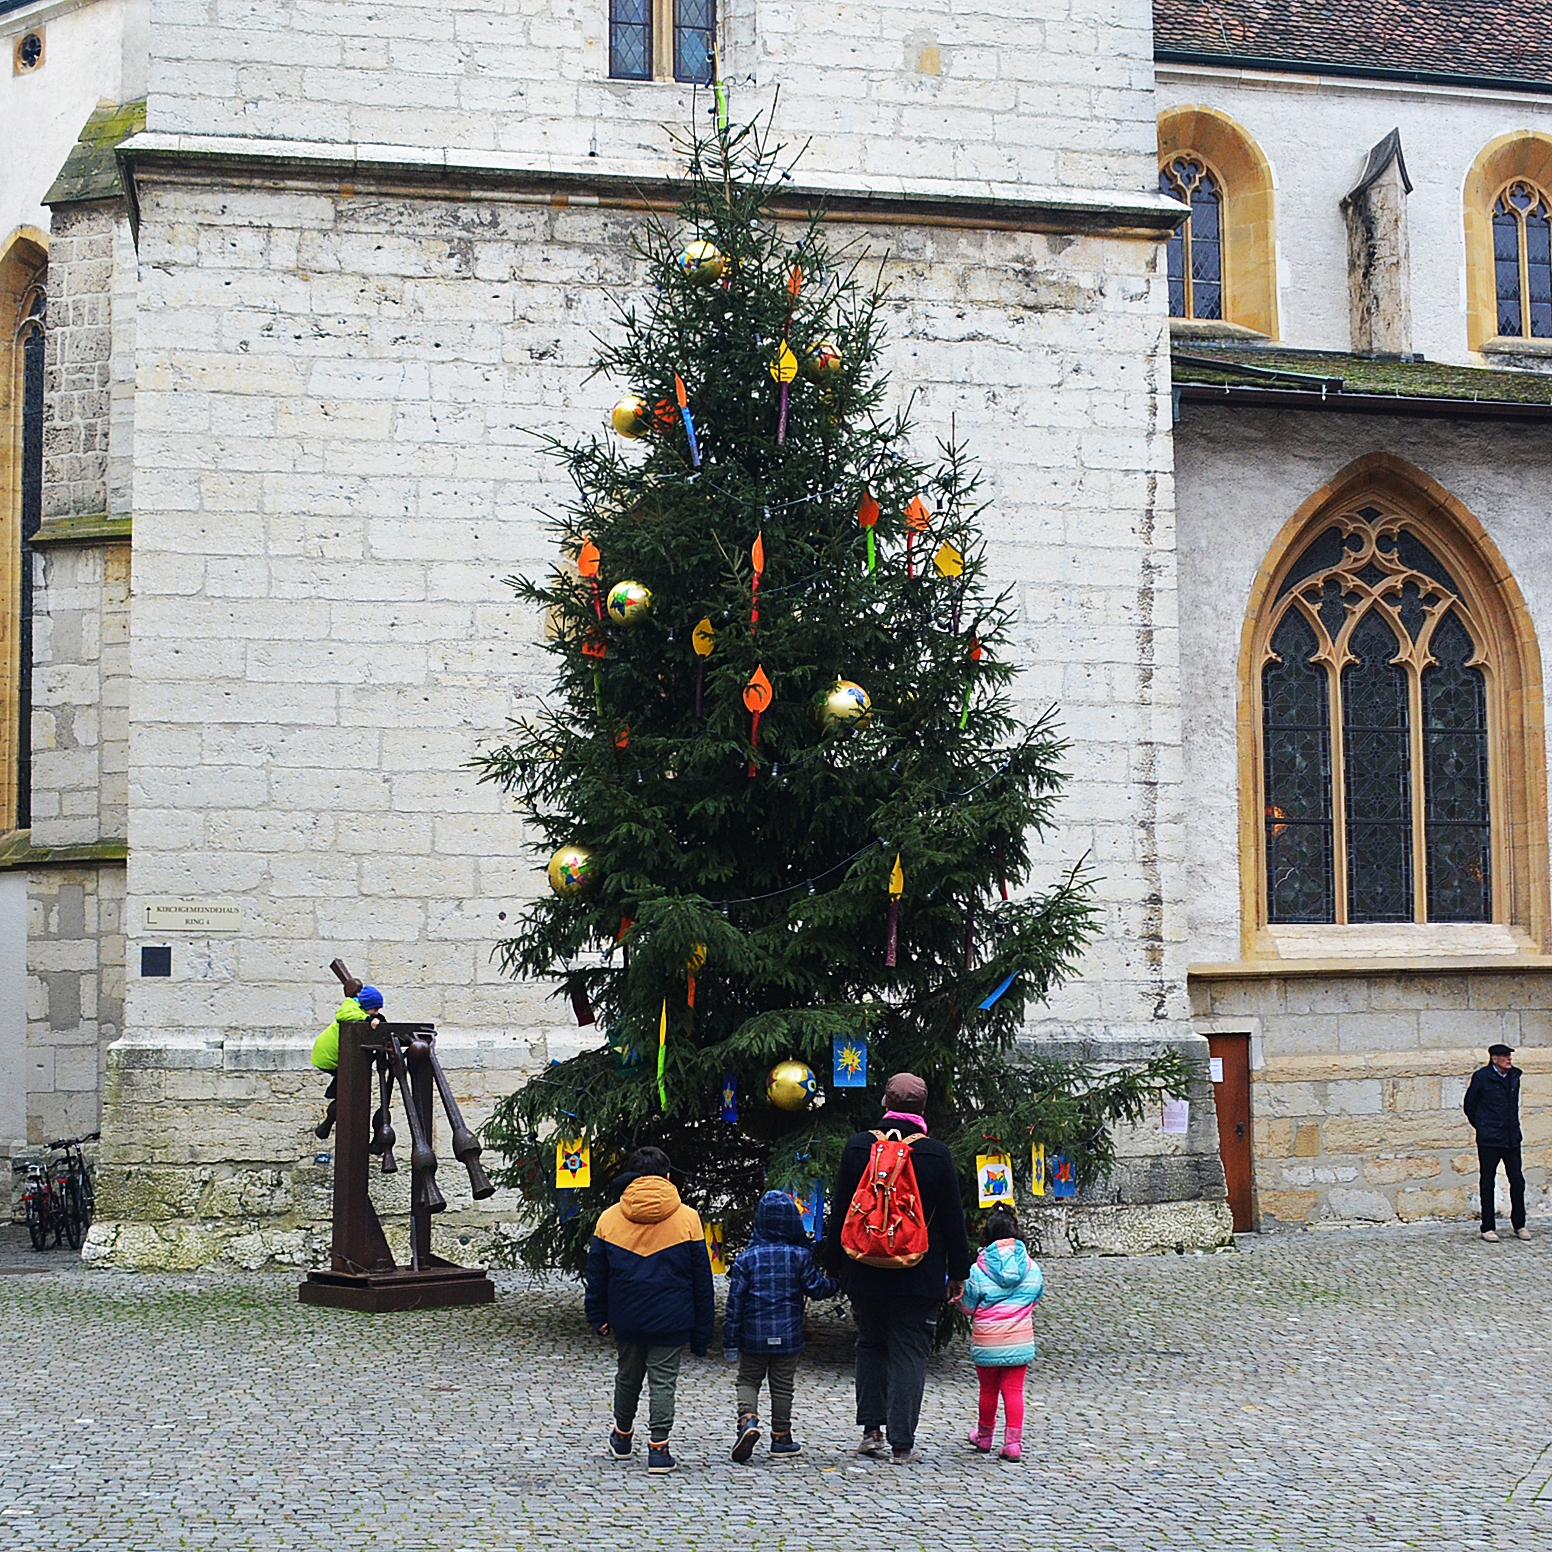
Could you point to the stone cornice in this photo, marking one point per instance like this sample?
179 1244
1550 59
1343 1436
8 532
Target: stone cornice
1379 964
418 172
93 528
17 851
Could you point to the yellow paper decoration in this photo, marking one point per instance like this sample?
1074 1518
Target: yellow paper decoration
948 560
1037 1169
573 1165
785 367
897 880
703 638
994 1179
716 1247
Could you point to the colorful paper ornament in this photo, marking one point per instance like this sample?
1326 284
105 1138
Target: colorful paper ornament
702 263
588 561
716 1247
809 1201
582 1006
791 1085
566 1201
626 1055
1062 1177
630 417
573 1165
975 657
993 1179
570 870
896 889
757 696
662 1056
730 1098
949 561
703 638
1037 1168
757 560
629 603
823 362
694 964
850 1059
916 519
689 423
785 365
844 702
991 1001
867 516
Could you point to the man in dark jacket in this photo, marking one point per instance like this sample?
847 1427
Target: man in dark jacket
896 1308
649 1287
1492 1106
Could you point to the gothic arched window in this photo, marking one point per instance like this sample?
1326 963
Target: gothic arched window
1196 249
1375 735
1522 261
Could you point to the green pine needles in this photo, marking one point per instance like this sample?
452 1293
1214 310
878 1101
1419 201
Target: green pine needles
771 855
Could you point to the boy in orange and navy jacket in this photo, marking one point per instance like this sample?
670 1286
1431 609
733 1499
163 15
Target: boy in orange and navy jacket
649 1287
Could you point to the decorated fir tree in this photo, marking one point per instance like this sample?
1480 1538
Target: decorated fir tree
788 800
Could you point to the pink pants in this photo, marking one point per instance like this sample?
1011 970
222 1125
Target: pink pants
1007 1383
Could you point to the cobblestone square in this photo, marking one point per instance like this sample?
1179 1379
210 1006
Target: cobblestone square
1380 1388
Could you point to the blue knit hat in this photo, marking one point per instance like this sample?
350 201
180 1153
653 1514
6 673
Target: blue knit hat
369 999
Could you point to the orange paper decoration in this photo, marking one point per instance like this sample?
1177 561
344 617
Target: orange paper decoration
757 696
757 555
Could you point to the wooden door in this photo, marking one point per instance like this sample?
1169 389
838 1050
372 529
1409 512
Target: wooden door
1230 1055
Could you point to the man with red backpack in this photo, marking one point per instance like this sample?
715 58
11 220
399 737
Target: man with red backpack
896 1239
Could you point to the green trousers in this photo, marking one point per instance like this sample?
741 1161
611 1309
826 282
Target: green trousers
659 1366
780 1370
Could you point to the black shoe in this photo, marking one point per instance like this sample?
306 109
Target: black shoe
746 1437
784 1446
621 1445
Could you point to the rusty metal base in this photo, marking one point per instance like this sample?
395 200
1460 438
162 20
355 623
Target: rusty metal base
438 1286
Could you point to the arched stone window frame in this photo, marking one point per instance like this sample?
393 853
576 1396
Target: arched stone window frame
1249 234
1507 652
1524 156
23 266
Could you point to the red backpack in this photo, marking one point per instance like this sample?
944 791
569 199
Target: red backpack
884 1225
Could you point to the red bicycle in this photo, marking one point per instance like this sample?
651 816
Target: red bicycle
58 1196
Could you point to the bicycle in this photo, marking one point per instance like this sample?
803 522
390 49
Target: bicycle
59 1196
44 1210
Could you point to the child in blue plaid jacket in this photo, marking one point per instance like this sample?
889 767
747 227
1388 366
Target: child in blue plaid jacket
762 1330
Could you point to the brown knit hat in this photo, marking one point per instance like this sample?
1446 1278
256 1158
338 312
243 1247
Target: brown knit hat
905 1092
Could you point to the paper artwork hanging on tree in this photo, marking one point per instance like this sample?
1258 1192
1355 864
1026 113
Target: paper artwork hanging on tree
993 1179
573 1165
716 1247
730 1098
851 1062
569 1206
1064 1182
1037 1169
809 1202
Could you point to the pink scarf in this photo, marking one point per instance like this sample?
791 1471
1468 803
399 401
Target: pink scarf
905 1115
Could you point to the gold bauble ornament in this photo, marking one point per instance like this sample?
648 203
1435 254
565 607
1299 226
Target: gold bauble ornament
701 263
570 870
823 362
843 702
628 603
631 418
791 1086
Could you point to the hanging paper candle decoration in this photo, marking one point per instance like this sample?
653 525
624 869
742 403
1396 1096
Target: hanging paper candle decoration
757 558
570 870
630 418
867 515
588 560
823 362
916 519
896 889
702 264
703 638
844 702
757 696
786 367
689 424
694 965
791 1085
662 1057
975 657
629 603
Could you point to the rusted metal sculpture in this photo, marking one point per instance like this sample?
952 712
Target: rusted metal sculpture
363 1274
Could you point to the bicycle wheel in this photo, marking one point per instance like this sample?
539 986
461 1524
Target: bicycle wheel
37 1222
75 1228
88 1197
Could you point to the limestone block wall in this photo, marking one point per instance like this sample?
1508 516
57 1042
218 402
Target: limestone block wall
337 409
1032 94
1357 1081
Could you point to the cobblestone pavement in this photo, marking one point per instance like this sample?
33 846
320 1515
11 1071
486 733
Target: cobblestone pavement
1349 1389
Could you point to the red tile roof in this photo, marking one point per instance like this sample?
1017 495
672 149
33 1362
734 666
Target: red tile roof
1482 40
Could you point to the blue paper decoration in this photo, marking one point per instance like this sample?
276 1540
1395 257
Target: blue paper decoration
850 1060
1059 1172
569 1205
1000 990
730 1097
810 1205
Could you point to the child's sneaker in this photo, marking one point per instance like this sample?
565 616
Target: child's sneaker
659 1461
981 1439
746 1437
784 1446
621 1445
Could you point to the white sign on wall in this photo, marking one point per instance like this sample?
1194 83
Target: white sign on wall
193 916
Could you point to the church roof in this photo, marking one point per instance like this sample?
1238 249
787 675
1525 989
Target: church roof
1258 375
91 171
1470 41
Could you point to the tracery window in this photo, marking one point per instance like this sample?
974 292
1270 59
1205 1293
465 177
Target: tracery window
1196 249
1375 734
655 39
1522 261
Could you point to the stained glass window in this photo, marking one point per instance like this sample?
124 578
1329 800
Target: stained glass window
1347 755
1522 262
630 40
695 24
1196 250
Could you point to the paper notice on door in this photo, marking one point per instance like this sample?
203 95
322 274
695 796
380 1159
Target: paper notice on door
1177 1117
1215 1068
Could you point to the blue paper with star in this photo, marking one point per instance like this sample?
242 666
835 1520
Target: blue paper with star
850 1058
730 1098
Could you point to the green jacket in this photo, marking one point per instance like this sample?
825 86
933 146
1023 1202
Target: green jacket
326 1046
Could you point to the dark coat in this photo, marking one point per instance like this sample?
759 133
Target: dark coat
648 1273
1492 1106
948 1247
770 1280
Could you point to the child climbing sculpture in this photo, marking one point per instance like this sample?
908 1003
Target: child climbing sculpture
361 1002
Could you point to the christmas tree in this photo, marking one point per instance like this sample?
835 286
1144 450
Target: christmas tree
788 796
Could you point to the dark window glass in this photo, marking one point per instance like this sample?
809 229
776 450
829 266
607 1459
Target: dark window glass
1297 736
1538 271
1456 835
1412 552
1522 262
32 516
1506 268
1377 766
1323 553
695 28
630 39
1195 252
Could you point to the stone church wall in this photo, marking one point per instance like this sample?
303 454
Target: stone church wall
336 420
